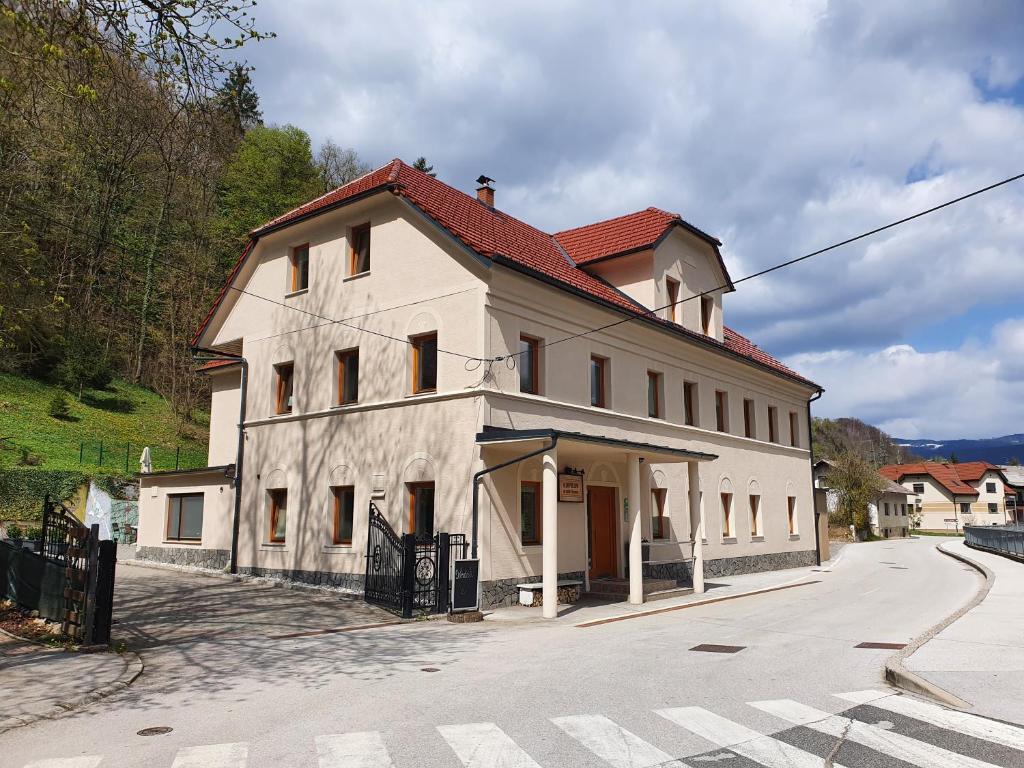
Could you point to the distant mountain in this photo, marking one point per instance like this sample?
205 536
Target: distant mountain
998 450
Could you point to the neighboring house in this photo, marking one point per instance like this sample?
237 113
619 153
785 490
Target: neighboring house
888 515
361 317
1014 475
950 496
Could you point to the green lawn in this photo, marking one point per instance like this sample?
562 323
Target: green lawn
124 419
915 532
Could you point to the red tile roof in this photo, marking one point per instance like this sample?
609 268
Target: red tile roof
623 234
496 235
210 365
953 477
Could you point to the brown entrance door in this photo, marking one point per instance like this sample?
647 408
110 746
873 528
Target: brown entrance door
601 522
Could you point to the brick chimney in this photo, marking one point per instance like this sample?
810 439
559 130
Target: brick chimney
485 192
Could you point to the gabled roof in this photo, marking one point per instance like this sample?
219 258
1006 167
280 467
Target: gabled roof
628 234
953 477
503 239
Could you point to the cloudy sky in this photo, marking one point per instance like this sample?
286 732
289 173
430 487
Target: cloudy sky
779 127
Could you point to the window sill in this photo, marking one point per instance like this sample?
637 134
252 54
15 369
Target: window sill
757 538
533 547
273 545
421 393
338 549
342 406
185 542
728 539
356 276
293 294
794 537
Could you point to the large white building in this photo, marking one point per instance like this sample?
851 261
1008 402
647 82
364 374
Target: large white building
400 337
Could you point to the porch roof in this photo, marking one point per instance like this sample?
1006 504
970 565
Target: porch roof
662 454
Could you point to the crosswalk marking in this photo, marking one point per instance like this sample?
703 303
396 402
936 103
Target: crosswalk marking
483 745
212 756
969 725
765 750
90 761
889 742
613 743
353 750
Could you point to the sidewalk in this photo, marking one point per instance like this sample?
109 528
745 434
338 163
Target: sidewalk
980 656
38 682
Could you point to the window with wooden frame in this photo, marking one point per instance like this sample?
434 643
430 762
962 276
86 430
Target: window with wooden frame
359 249
794 429
727 532
598 381
773 424
278 514
659 522
791 514
721 411
348 376
755 515
749 419
672 293
344 498
529 365
654 395
530 512
691 403
918 488
424 363
707 310
184 517
421 509
299 260
284 374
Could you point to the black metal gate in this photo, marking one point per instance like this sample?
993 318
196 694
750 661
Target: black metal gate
405 574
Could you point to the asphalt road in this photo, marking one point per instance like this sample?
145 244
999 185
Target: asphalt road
627 694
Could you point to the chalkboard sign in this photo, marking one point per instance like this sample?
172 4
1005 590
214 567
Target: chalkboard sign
464 585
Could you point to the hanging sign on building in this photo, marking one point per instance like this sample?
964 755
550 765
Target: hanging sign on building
570 488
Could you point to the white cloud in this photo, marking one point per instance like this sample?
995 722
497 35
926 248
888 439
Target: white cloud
781 127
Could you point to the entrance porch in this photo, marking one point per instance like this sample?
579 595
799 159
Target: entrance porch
612 512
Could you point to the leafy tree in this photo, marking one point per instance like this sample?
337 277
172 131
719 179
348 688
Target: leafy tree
421 165
856 484
239 101
338 165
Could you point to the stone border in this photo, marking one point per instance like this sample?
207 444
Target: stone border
898 675
133 668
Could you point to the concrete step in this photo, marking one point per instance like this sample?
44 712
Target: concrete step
665 594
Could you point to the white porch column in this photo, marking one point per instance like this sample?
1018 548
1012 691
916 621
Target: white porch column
636 568
549 532
693 482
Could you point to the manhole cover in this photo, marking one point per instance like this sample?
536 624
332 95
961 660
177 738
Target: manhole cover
430 669
713 648
159 730
882 646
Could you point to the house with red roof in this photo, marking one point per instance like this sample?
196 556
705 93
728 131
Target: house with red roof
948 496
404 374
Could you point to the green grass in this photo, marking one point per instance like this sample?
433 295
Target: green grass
915 532
124 417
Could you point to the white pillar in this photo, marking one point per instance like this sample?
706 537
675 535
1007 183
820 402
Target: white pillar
549 532
636 568
693 481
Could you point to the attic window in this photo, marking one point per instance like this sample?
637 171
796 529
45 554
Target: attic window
359 249
672 291
300 267
707 307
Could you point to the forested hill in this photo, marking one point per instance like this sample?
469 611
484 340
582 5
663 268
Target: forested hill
133 162
833 437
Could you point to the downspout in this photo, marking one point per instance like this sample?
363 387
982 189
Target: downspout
814 495
240 451
487 470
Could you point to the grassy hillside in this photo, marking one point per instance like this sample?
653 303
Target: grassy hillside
124 418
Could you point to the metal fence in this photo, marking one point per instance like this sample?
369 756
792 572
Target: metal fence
1002 539
126 455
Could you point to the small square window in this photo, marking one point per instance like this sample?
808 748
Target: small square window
359 250
185 517
424 363
278 514
530 512
284 395
919 488
990 487
300 267
348 377
993 509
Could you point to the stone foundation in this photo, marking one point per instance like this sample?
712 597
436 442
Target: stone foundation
504 592
681 571
352 581
772 561
194 557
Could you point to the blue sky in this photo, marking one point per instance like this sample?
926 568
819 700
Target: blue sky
780 127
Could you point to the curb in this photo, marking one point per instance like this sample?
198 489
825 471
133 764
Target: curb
901 677
132 669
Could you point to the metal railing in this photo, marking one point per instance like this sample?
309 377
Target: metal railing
1005 540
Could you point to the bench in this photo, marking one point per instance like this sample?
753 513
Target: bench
531 594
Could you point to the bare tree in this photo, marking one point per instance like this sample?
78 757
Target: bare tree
338 165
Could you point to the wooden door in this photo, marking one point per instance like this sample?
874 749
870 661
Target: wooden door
601 517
